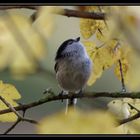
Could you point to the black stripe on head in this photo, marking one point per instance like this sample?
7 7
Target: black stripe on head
62 48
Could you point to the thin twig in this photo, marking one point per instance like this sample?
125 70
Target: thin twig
20 118
30 121
122 77
100 9
133 107
100 32
136 116
18 7
12 127
34 16
11 108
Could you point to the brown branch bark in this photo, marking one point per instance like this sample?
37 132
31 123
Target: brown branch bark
83 14
135 95
136 116
52 97
20 118
12 109
12 127
67 12
133 107
18 6
122 77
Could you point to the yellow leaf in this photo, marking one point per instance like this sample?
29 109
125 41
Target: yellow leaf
125 68
10 94
91 48
134 72
103 59
45 22
122 110
91 8
97 71
102 35
106 9
134 126
87 27
100 24
79 122
34 41
5 48
119 108
19 38
130 67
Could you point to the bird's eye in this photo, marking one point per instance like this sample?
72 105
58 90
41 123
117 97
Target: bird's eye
70 42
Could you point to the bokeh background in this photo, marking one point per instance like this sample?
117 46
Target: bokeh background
32 87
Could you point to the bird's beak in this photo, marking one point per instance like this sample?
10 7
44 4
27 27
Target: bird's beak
78 39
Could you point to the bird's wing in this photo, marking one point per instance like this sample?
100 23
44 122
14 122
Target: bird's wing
56 67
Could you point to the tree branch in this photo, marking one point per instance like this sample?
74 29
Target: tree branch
12 127
12 109
52 97
136 116
18 7
133 107
67 12
134 95
82 14
20 118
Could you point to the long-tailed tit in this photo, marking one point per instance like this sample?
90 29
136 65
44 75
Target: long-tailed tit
73 67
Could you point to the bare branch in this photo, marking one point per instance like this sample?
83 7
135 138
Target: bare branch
122 76
34 16
12 127
10 107
134 95
18 7
20 118
52 97
67 12
133 107
13 110
136 116
83 14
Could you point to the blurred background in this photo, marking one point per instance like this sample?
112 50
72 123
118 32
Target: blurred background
32 86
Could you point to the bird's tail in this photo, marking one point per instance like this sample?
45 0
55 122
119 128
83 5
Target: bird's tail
70 103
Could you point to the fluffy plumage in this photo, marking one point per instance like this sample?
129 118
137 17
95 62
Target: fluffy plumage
73 66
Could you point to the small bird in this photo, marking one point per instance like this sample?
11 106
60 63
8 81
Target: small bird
73 68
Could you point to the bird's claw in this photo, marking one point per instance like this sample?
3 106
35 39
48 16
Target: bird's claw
61 94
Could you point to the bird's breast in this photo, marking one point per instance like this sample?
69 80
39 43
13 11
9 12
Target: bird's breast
73 73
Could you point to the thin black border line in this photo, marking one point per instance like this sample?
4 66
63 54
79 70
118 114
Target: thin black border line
71 4
71 135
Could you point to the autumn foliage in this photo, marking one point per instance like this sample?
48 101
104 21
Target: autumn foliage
109 43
